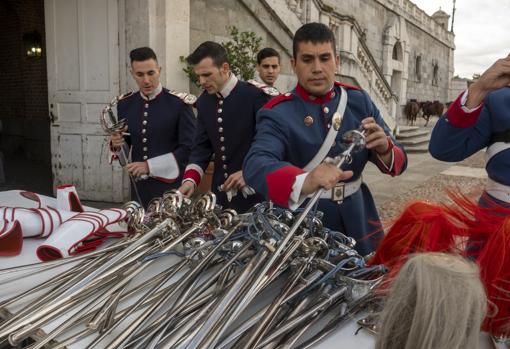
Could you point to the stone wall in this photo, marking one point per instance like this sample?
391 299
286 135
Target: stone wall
423 85
210 19
162 25
379 24
457 86
372 18
419 35
24 91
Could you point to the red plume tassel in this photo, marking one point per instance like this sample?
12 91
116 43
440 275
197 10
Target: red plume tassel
494 262
422 227
489 230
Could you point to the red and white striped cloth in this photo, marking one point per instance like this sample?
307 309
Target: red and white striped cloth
39 216
83 232
36 222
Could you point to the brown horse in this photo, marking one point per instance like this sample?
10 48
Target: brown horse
431 108
411 110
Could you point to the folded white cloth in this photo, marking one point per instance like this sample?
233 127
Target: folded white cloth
36 222
67 199
82 232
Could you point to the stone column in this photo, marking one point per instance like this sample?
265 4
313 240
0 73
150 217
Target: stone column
163 25
405 73
344 37
177 43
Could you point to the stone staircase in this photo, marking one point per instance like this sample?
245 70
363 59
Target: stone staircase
415 139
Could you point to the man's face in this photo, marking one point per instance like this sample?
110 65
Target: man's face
146 74
315 66
269 69
211 78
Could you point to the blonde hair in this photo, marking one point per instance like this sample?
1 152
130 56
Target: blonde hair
437 301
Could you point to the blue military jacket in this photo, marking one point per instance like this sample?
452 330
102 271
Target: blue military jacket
291 130
459 134
225 128
161 131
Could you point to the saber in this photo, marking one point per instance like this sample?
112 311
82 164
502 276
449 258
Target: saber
111 124
356 141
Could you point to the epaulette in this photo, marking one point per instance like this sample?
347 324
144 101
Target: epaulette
125 95
268 90
337 83
278 99
187 98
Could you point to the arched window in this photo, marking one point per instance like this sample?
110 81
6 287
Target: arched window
418 68
435 74
397 51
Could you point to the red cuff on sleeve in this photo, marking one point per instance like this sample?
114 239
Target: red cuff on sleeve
399 159
280 182
192 174
459 118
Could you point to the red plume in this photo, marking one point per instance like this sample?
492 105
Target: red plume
422 227
494 262
489 231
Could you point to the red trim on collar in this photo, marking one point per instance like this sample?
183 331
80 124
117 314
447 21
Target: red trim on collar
278 99
311 98
337 83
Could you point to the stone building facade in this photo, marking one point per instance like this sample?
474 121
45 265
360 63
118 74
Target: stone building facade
457 86
390 48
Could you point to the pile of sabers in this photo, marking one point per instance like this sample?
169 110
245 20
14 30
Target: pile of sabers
264 279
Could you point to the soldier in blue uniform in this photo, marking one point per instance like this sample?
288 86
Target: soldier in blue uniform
226 126
160 129
284 162
268 65
480 118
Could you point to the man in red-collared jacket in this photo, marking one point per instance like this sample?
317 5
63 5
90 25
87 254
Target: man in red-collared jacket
285 160
480 118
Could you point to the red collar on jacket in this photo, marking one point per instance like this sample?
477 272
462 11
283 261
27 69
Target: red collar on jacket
315 99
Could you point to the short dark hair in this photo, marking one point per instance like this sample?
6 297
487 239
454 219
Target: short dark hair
209 49
142 54
267 52
314 32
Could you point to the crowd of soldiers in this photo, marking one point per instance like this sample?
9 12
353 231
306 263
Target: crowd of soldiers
268 145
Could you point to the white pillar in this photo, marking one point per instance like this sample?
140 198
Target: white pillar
163 25
177 43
